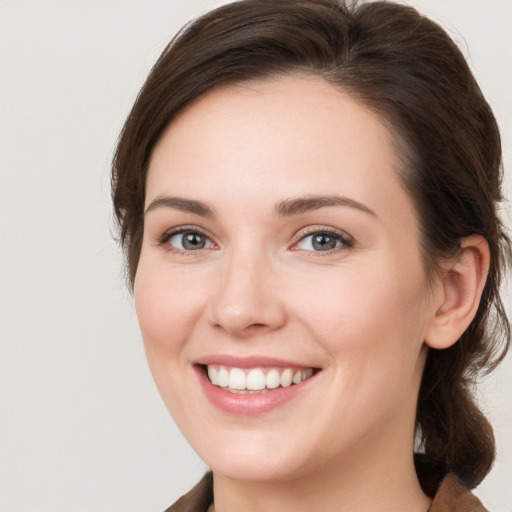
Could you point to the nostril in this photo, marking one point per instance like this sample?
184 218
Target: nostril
245 316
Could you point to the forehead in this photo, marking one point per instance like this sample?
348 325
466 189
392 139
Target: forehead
288 136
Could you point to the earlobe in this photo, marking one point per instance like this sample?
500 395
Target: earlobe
459 295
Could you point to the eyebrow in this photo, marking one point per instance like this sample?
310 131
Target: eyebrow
286 208
299 205
181 203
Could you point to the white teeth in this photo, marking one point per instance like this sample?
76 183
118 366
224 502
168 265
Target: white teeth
273 379
306 373
213 375
223 377
237 379
286 378
255 380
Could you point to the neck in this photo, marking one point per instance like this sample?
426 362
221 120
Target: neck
385 480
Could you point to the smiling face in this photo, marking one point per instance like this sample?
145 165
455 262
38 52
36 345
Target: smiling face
281 254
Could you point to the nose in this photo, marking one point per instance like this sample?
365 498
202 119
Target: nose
247 301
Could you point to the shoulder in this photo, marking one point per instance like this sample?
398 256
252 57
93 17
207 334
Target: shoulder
453 496
198 499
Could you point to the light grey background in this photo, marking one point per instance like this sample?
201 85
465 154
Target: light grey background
82 427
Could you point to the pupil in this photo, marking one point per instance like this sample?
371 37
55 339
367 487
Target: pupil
324 242
193 241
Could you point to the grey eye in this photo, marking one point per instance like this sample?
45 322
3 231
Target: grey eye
320 242
323 242
190 241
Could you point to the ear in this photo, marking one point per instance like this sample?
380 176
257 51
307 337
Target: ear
459 292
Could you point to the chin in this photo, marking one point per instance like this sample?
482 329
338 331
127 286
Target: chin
255 460
253 470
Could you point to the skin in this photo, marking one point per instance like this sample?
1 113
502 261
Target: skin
361 314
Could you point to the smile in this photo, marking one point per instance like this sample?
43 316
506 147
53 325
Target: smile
253 385
255 380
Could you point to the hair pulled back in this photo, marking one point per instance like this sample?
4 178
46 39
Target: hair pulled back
408 70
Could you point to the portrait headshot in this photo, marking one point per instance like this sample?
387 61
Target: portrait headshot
257 256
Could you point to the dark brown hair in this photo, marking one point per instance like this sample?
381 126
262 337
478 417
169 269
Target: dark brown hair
408 70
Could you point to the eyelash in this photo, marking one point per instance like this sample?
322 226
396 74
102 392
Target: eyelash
346 241
164 240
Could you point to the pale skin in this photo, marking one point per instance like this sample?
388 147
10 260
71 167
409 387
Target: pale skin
361 313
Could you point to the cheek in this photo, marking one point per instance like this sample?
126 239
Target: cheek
372 330
350 305
368 321
167 311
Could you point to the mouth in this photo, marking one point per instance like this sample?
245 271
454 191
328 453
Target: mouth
256 380
252 385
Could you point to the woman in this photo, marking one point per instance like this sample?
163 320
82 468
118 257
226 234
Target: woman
307 195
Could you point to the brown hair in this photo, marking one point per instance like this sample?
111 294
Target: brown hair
408 70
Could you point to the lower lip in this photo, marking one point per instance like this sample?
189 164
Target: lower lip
249 404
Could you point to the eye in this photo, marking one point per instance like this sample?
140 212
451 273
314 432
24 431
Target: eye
187 240
323 241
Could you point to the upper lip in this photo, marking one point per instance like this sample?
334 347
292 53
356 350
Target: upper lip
248 361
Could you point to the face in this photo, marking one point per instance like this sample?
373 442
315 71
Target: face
281 256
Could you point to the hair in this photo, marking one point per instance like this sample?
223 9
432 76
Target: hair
406 68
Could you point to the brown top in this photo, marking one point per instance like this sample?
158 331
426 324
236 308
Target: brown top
451 496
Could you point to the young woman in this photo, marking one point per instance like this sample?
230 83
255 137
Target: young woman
307 195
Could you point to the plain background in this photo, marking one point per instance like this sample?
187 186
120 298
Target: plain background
82 427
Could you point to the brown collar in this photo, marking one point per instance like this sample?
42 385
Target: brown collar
451 496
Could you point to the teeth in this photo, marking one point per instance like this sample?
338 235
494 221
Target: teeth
213 375
255 380
286 378
306 373
237 379
273 379
223 378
